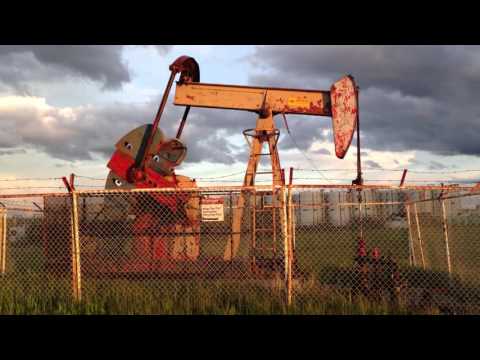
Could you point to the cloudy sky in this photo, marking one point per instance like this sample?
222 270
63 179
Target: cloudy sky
62 108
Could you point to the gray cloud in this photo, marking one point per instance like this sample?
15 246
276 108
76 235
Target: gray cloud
303 129
435 165
21 64
206 134
93 131
12 152
412 97
372 164
415 161
322 151
163 49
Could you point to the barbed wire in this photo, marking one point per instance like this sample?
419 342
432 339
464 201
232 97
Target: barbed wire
224 178
219 177
89 178
396 180
32 179
398 170
32 187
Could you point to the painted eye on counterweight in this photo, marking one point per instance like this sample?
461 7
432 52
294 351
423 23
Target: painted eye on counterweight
156 158
117 182
128 145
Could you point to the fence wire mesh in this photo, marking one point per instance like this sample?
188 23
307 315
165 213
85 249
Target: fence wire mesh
256 249
159 244
158 251
416 250
36 250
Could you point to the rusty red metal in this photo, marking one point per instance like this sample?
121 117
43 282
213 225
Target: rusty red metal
475 188
362 248
404 175
316 108
72 181
67 184
187 67
344 103
189 71
120 164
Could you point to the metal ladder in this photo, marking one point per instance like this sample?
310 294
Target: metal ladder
264 229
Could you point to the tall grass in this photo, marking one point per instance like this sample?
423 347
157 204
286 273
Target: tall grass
174 297
325 257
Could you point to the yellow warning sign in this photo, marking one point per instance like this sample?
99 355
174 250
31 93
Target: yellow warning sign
296 102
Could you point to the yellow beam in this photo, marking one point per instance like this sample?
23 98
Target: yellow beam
248 98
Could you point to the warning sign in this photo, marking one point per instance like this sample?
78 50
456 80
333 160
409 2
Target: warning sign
212 209
296 102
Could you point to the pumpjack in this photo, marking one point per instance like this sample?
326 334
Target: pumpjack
145 158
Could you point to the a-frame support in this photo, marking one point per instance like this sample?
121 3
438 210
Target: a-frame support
265 131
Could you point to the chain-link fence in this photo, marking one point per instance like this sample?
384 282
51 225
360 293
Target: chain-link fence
260 249
151 249
410 249
35 251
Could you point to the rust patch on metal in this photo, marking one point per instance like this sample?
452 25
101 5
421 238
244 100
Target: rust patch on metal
344 107
317 107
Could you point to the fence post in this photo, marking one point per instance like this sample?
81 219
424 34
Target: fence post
293 213
76 268
445 232
290 239
410 238
419 235
286 247
253 228
3 242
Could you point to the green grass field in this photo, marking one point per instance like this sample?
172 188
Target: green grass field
325 259
180 298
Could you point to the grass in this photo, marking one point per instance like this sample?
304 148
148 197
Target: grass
325 257
42 294
182 299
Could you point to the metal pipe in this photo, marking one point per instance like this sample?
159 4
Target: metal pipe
274 227
3 247
156 121
404 175
72 181
67 184
289 239
254 230
231 225
286 244
419 235
445 232
182 123
359 161
410 238
76 267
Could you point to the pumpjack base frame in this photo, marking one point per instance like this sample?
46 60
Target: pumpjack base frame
208 268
